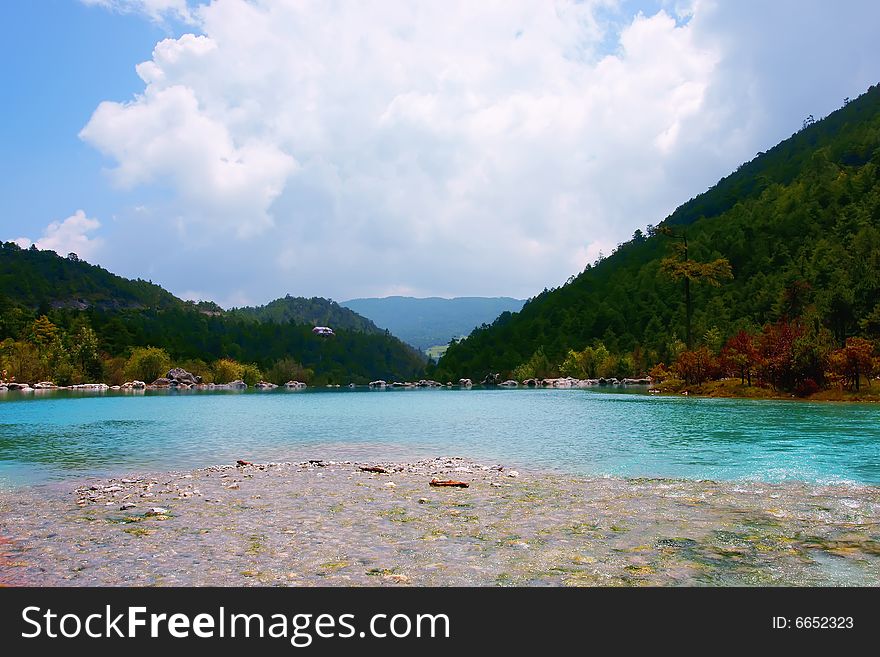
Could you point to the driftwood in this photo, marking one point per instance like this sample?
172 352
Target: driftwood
450 482
373 468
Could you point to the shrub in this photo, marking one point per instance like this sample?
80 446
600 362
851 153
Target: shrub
806 388
251 374
288 369
226 370
147 364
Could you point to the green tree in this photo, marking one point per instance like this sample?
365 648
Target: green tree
84 351
147 364
681 267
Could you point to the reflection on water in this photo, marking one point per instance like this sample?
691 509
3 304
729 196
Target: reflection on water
56 435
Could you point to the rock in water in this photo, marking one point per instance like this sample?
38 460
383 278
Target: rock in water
181 376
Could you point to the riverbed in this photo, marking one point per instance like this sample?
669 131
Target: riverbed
322 522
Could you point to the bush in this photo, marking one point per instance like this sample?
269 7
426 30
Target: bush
288 369
251 374
226 370
806 388
147 364
113 371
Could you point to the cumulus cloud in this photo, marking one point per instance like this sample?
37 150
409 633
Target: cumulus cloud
443 147
68 236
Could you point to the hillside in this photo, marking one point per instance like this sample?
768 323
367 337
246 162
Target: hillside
799 226
44 279
315 311
66 320
432 321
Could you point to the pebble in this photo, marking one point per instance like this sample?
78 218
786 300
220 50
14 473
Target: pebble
156 511
390 484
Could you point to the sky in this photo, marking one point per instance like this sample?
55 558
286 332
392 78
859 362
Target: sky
241 150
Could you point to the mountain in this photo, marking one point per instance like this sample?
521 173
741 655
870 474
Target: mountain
316 311
37 279
432 321
799 226
66 320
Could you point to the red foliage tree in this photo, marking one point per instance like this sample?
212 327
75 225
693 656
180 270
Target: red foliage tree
741 355
854 361
697 366
776 347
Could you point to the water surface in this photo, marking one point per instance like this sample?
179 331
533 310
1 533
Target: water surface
52 436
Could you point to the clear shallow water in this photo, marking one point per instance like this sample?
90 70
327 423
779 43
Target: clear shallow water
50 436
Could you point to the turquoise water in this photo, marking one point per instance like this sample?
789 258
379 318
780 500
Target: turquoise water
50 436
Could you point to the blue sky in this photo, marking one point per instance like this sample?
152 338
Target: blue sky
58 60
240 150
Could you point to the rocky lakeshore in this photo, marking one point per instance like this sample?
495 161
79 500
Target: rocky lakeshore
345 523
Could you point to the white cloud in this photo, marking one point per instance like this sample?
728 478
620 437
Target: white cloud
68 236
490 147
156 10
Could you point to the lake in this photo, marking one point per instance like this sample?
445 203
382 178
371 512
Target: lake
49 436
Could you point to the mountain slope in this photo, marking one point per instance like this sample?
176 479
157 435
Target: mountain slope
432 321
799 224
125 314
316 311
43 278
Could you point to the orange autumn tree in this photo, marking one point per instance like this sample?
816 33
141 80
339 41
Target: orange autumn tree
853 361
697 366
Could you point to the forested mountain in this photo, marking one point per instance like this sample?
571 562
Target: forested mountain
65 320
432 321
43 279
315 311
789 242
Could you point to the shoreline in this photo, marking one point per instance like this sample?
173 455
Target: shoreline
332 523
723 389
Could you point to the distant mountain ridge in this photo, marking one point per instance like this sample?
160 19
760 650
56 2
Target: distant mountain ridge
315 311
125 314
431 321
